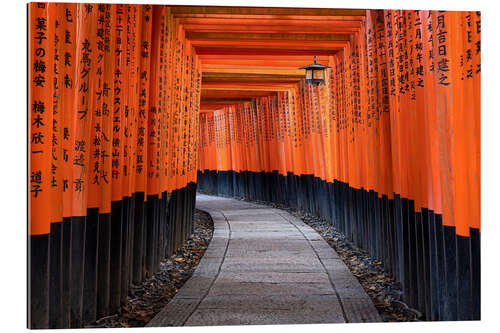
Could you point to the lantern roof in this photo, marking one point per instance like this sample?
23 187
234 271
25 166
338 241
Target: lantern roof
315 66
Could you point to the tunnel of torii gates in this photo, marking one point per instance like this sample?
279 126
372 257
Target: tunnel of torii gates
134 107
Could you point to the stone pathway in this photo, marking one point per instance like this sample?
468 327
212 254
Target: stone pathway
265 266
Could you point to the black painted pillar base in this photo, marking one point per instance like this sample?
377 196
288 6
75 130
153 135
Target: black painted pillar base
55 285
450 252
66 273
125 249
90 266
150 230
464 288
115 256
38 287
138 238
475 240
103 265
77 264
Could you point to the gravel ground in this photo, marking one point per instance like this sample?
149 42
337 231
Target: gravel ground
149 298
384 291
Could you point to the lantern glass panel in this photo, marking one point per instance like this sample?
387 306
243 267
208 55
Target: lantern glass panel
309 74
318 75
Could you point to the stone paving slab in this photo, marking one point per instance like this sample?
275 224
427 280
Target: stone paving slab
269 302
276 254
259 316
176 313
247 212
221 288
197 286
274 244
274 267
259 236
358 310
261 226
274 277
265 266
258 261
270 310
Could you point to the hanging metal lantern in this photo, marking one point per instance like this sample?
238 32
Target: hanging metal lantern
315 73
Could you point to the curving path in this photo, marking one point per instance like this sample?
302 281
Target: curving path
265 266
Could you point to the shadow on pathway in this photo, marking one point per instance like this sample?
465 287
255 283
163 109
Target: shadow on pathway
265 266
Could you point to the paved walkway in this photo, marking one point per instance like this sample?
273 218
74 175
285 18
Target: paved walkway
265 266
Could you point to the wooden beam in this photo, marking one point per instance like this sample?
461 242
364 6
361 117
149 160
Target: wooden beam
283 18
250 77
329 21
233 94
262 86
247 27
235 65
268 51
261 57
274 62
255 70
245 43
230 75
242 83
210 93
226 10
204 36
215 101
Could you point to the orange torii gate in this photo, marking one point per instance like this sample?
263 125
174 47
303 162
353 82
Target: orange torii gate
387 150
103 169
128 102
